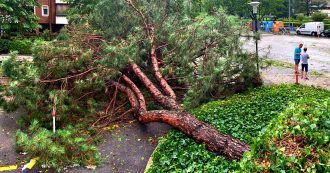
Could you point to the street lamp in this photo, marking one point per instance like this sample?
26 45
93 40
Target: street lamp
255 5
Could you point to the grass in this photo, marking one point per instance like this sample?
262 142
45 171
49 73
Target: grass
243 116
276 63
317 74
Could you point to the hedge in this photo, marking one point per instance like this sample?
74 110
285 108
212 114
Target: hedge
326 26
23 46
4 45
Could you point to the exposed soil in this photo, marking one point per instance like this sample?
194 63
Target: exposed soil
294 145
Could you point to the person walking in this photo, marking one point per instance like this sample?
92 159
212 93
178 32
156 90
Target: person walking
297 53
304 63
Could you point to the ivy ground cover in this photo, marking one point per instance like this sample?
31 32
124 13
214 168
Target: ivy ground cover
244 116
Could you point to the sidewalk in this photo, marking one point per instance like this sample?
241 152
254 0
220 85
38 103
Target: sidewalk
275 76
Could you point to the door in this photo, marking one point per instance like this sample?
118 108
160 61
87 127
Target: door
303 29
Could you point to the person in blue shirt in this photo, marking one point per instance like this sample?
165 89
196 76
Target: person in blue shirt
297 53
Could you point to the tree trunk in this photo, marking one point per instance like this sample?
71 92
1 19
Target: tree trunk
176 117
201 132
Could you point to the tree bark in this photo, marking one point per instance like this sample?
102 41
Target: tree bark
176 117
165 101
201 132
163 83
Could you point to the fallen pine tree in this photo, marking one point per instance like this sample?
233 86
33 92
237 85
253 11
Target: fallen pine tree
141 53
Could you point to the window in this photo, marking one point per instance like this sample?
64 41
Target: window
61 9
45 10
302 26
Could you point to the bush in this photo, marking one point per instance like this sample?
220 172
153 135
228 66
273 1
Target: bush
326 21
300 17
4 45
295 24
326 26
319 17
22 46
68 146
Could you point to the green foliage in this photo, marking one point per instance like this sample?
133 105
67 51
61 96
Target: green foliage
243 116
38 99
326 26
274 7
4 45
199 49
23 46
319 17
47 35
80 8
206 55
296 141
68 146
18 16
300 17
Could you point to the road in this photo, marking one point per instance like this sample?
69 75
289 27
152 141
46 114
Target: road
281 47
8 128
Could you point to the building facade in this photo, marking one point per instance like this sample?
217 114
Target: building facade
52 14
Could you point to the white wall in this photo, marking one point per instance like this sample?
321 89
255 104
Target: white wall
61 20
59 1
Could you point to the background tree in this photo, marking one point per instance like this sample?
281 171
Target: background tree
18 16
274 7
144 53
305 6
80 8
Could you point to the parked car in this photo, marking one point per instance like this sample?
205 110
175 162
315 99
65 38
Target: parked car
326 33
310 28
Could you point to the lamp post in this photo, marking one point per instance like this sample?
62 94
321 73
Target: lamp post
290 14
255 5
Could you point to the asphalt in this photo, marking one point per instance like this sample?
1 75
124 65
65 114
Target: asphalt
128 148
281 47
8 127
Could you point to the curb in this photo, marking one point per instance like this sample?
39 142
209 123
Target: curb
26 168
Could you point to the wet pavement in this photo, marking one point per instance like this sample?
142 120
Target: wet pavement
281 47
128 148
8 127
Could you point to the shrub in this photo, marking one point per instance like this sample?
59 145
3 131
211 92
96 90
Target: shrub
326 21
295 24
319 17
300 17
4 45
326 26
23 46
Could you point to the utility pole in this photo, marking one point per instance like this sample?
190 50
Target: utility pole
290 14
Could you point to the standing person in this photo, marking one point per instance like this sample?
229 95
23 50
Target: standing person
297 53
318 31
304 63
